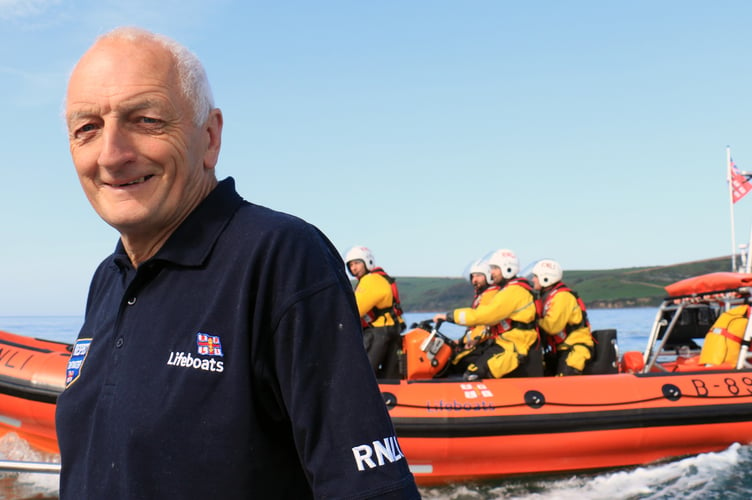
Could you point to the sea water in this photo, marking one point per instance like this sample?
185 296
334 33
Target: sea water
723 475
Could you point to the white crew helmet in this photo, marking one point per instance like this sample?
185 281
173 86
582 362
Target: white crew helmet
548 271
361 253
479 266
507 261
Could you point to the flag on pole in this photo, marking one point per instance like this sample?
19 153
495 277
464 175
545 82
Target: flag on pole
740 185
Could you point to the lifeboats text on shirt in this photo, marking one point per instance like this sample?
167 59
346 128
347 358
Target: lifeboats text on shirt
206 345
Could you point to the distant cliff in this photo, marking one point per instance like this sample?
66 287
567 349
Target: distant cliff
600 289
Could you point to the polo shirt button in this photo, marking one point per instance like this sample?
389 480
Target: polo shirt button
131 301
119 342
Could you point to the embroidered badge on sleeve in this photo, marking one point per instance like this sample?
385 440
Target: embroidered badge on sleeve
76 361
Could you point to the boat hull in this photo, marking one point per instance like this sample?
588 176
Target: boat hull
450 430
32 374
457 431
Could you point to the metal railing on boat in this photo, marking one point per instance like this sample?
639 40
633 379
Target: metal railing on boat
21 466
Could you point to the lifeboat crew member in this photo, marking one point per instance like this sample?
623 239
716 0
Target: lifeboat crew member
563 320
381 313
480 277
724 340
220 354
511 315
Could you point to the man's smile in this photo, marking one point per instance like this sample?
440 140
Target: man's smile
140 180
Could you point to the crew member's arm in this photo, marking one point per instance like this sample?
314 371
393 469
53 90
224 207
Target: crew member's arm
505 303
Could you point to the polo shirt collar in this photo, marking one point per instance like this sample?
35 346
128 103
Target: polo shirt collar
194 239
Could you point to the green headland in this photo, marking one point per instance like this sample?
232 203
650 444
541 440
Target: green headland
609 288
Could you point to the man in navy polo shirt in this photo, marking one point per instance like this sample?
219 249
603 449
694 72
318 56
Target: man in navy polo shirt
221 354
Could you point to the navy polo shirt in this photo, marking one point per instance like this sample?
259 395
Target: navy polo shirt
230 365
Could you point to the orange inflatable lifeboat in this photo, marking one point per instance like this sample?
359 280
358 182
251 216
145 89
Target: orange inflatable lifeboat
644 406
664 402
32 374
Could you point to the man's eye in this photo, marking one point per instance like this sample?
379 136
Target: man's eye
150 121
85 129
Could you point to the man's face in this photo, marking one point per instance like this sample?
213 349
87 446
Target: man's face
357 268
536 283
478 281
142 162
496 274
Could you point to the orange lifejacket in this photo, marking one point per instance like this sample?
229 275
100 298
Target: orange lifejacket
558 338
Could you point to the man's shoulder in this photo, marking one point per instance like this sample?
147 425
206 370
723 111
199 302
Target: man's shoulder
279 237
487 295
374 279
563 295
515 289
268 220
246 217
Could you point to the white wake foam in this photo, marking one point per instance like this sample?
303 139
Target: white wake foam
700 477
26 484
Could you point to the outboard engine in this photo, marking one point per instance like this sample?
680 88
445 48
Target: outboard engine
427 353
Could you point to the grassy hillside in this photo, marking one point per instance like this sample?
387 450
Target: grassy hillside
434 294
630 287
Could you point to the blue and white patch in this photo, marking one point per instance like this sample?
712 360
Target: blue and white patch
208 345
78 356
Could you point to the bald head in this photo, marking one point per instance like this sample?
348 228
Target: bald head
143 135
189 72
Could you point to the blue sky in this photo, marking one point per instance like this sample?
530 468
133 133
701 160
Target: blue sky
431 131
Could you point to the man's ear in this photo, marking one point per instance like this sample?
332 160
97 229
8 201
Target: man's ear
214 131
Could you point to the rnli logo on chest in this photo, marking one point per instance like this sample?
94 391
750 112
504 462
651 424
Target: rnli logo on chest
208 345
76 361
208 348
